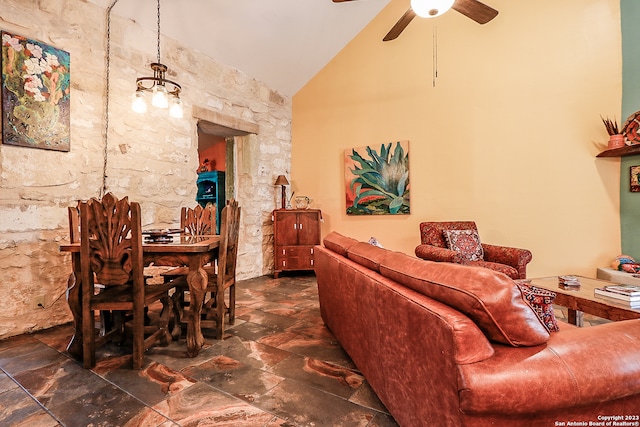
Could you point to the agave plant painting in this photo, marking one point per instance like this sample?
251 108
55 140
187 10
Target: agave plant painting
35 94
377 183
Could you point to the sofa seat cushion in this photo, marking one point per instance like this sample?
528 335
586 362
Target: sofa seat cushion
563 373
491 299
502 268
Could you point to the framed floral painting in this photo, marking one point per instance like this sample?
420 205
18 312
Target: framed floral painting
35 94
377 180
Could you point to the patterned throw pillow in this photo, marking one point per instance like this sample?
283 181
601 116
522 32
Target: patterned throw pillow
466 243
541 301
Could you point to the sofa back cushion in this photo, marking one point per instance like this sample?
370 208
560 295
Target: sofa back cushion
338 243
492 300
367 255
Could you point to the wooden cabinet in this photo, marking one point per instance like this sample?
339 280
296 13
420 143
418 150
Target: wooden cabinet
295 233
211 190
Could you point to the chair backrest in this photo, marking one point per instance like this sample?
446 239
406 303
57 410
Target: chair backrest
229 231
111 242
198 221
74 224
431 233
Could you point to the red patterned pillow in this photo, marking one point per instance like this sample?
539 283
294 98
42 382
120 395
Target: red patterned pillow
466 243
541 301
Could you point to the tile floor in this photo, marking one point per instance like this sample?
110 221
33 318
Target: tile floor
277 366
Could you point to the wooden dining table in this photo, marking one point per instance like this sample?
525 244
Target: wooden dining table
184 250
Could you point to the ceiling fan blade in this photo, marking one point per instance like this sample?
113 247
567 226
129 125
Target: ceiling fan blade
400 25
473 9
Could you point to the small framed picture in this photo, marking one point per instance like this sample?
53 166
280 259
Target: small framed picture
634 179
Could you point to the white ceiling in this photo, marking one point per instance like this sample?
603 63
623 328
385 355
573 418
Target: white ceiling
283 43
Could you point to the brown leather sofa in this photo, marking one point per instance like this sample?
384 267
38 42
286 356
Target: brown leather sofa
445 344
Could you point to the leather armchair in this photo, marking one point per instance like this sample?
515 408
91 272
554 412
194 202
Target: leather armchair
510 261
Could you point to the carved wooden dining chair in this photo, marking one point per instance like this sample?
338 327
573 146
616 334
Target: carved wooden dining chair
196 221
216 307
221 276
111 254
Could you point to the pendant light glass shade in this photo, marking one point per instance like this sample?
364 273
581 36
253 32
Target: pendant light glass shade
139 103
431 8
159 98
175 108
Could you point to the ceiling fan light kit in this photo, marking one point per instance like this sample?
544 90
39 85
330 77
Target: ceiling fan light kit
472 9
431 8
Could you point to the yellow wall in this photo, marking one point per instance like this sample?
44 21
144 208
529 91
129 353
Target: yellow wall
507 137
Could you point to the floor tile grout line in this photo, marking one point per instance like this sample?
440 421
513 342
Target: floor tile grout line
44 408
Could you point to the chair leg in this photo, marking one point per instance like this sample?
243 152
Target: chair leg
88 338
163 323
220 317
178 313
138 337
232 304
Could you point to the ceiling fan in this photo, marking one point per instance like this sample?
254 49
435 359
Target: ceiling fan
473 9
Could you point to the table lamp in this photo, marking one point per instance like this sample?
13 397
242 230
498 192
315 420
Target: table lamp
282 180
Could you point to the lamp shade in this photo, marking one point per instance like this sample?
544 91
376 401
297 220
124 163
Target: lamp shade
431 8
281 180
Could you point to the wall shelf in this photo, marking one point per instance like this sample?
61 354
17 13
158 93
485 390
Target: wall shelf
628 150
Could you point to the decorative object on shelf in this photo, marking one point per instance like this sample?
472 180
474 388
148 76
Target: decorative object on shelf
207 166
625 263
634 179
161 96
36 86
377 183
303 202
616 139
630 128
282 181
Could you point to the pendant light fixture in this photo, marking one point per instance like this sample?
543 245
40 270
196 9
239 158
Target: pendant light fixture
431 8
164 93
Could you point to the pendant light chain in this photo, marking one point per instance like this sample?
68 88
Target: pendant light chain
103 190
158 31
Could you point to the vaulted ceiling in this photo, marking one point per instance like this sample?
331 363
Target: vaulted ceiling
283 43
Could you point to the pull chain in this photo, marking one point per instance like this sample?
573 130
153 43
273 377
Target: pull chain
434 70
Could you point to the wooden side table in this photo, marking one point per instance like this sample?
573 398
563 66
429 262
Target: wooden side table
295 233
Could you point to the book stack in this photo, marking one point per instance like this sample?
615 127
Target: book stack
568 282
628 293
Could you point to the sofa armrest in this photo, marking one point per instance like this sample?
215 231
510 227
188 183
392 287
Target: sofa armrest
577 367
515 257
435 253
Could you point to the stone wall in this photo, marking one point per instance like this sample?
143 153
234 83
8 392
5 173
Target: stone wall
150 158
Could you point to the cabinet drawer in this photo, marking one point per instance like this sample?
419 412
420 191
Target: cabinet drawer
294 251
294 257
